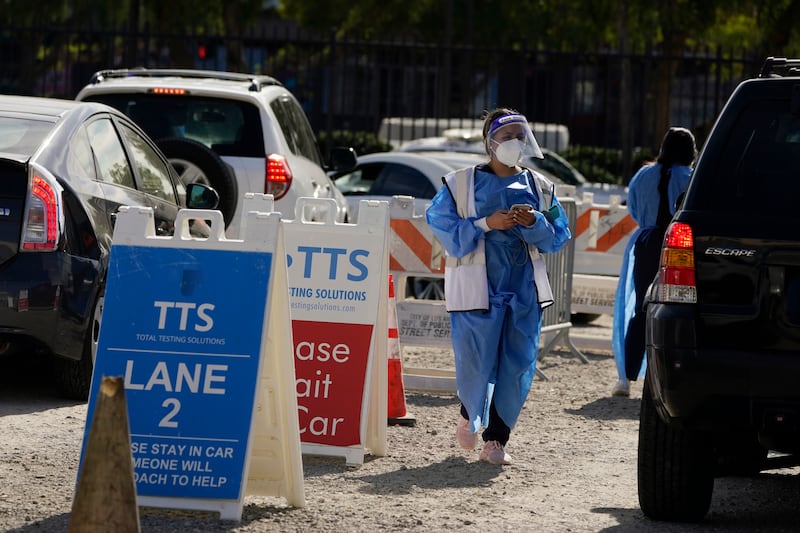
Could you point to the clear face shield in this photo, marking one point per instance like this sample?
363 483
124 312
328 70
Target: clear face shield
510 138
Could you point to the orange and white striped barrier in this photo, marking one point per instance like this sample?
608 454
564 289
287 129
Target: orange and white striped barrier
601 234
413 247
602 228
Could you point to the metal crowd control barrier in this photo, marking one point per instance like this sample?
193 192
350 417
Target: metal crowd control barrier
415 252
556 321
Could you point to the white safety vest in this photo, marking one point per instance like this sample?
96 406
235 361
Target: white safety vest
466 282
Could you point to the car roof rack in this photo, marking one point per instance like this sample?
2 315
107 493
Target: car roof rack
787 67
256 81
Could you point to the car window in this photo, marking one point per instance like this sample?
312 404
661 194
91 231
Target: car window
229 127
402 179
559 169
152 170
296 129
756 159
112 164
80 161
22 135
360 180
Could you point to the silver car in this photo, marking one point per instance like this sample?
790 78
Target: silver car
237 132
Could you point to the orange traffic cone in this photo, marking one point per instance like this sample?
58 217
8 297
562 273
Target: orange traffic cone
397 414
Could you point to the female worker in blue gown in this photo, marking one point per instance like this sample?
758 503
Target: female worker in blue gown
495 279
652 194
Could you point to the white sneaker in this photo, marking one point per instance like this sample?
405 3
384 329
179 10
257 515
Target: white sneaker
621 388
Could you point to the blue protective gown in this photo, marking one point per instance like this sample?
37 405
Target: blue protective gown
495 351
643 199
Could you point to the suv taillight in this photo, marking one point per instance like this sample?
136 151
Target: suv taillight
42 218
676 280
278 177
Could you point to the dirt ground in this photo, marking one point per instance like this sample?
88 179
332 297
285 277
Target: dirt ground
574 451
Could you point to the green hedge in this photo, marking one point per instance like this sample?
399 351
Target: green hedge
362 142
604 165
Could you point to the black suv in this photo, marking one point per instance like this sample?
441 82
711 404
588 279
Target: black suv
722 390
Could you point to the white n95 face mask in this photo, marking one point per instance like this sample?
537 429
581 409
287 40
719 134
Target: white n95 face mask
511 138
509 152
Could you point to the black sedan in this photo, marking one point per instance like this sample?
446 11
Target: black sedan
65 169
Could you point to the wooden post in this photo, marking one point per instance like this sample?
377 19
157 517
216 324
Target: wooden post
105 498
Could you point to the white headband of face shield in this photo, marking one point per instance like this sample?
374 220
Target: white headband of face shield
510 138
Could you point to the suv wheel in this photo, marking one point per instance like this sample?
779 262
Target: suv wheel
195 163
676 470
74 377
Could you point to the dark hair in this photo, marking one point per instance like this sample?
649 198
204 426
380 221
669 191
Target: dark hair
677 148
488 118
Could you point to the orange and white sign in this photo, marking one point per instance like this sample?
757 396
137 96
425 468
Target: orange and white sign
413 248
601 233
603 229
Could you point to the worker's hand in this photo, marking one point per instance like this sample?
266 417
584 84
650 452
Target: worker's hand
501 219
524 217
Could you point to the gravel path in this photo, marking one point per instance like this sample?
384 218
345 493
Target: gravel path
574 469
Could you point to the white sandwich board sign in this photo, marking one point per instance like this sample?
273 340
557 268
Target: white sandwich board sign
199 330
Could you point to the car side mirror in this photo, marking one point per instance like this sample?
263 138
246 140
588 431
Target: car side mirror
200 196
342 159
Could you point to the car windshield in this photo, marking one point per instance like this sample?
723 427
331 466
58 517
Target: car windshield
22 135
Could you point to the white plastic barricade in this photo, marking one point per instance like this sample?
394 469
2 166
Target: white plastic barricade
602 232
415 251
338 287
199 329
556 322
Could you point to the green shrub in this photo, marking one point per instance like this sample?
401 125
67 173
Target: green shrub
604 165
363 142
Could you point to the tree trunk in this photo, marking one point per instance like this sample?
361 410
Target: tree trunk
625 108
665 73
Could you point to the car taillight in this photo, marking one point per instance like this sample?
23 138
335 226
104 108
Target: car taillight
278 177
41 221
676 279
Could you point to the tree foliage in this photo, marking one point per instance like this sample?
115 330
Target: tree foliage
667 27
574 25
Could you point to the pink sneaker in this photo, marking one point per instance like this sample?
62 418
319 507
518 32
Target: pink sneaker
494 453
464 435
621 388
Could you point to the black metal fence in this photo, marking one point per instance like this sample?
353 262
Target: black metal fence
605 98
